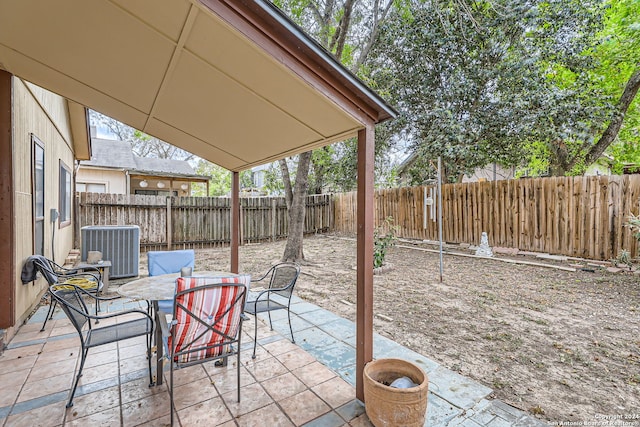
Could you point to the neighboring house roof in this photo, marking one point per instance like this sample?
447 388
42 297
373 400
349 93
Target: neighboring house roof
108 153
167 167
115 154
407 163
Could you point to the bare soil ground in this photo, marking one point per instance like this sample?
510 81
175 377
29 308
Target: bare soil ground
564 346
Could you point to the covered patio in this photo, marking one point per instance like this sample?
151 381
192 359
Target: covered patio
236 83
311 383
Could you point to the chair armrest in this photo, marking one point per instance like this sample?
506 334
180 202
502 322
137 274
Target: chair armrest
64 271
97 278
74 273
162 323
111 315
95 297
264 276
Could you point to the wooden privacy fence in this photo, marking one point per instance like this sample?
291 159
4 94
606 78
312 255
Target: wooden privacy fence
573 216
195 222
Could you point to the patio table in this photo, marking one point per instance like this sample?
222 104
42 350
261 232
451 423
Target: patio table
157 288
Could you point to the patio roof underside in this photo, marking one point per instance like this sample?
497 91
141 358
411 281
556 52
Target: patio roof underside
229 81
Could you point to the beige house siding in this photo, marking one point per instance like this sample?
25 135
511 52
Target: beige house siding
44 114
490 173
115 180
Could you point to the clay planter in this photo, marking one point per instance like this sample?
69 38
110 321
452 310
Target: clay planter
389 406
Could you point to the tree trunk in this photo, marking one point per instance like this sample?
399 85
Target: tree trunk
293 250
286 180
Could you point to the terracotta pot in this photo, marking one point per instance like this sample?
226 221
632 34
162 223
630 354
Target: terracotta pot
395 407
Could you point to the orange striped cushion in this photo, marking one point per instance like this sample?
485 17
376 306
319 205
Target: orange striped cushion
210 305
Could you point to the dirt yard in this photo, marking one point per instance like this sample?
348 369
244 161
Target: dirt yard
564 346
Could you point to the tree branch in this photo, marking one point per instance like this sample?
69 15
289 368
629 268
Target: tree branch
377 20
611 132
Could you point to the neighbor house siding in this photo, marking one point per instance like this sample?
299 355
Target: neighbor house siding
114 179
45 115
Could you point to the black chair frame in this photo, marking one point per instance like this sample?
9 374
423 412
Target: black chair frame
264 302
71 300
61 274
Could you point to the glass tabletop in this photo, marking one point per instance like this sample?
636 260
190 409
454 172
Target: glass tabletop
162 287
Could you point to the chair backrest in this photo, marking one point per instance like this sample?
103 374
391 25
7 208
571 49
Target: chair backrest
45 267
165 262
69 297
206 317
284 276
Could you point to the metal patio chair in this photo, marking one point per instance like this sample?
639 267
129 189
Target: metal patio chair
166 262
90 281
136 323
207 323
282 279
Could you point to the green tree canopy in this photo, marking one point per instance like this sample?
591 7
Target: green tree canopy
508 81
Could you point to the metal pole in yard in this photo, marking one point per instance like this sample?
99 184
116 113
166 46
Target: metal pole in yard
440 211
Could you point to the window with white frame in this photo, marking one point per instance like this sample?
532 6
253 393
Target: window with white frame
37 171
64 206
91 187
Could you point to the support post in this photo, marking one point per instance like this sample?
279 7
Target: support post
7 230
273 220
365 218
169 224
235 220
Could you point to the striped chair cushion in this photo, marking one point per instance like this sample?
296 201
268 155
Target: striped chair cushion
218 307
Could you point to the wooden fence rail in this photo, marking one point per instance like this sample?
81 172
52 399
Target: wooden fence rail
573 216
194 222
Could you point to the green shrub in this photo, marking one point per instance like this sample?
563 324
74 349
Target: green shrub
383 241
634 224
624 257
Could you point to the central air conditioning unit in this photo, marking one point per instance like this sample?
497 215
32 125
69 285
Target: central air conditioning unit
119 244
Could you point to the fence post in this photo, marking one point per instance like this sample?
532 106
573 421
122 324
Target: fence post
241 240
169 225
273 219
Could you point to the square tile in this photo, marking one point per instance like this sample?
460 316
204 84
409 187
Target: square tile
252 397
313 374
304 407
21 363
43 387
193 393
106 418
283 386
226 379
330 419
146 409
270 415
265 369
139 389
210 412
351 410
296 359
95 403
43 370
99 373
336 392
50 415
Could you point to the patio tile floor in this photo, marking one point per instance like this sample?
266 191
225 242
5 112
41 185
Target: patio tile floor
310 383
